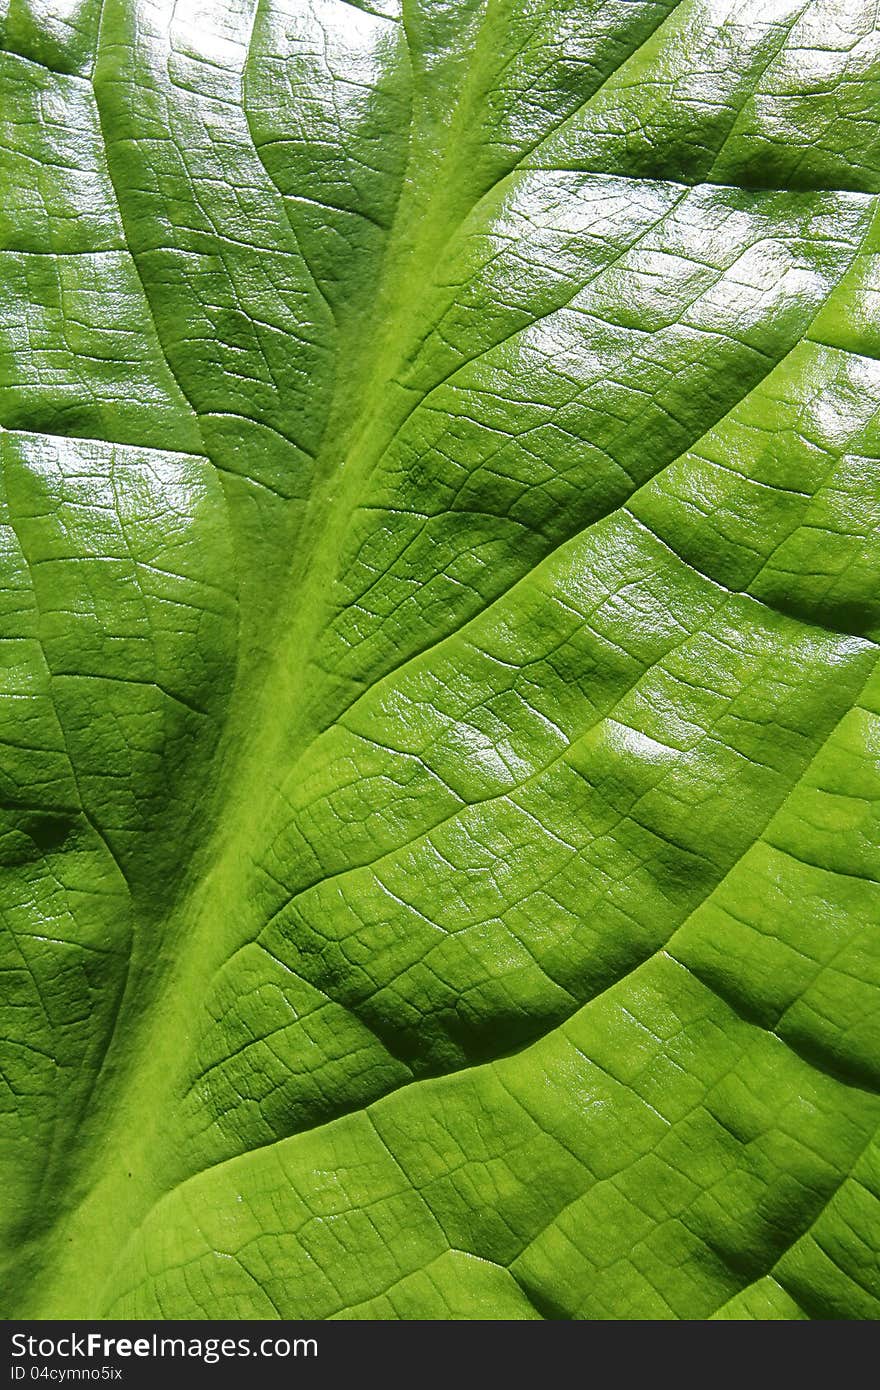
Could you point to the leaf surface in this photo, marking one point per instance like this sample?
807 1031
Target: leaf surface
438 689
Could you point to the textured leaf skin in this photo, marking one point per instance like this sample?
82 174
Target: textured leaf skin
438 687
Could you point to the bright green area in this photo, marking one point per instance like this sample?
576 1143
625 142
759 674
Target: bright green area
439 699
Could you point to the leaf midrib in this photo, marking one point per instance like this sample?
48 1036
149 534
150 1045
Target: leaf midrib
157 991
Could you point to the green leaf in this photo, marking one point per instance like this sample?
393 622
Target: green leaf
438 692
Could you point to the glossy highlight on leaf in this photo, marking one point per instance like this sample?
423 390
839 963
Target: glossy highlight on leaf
439 697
